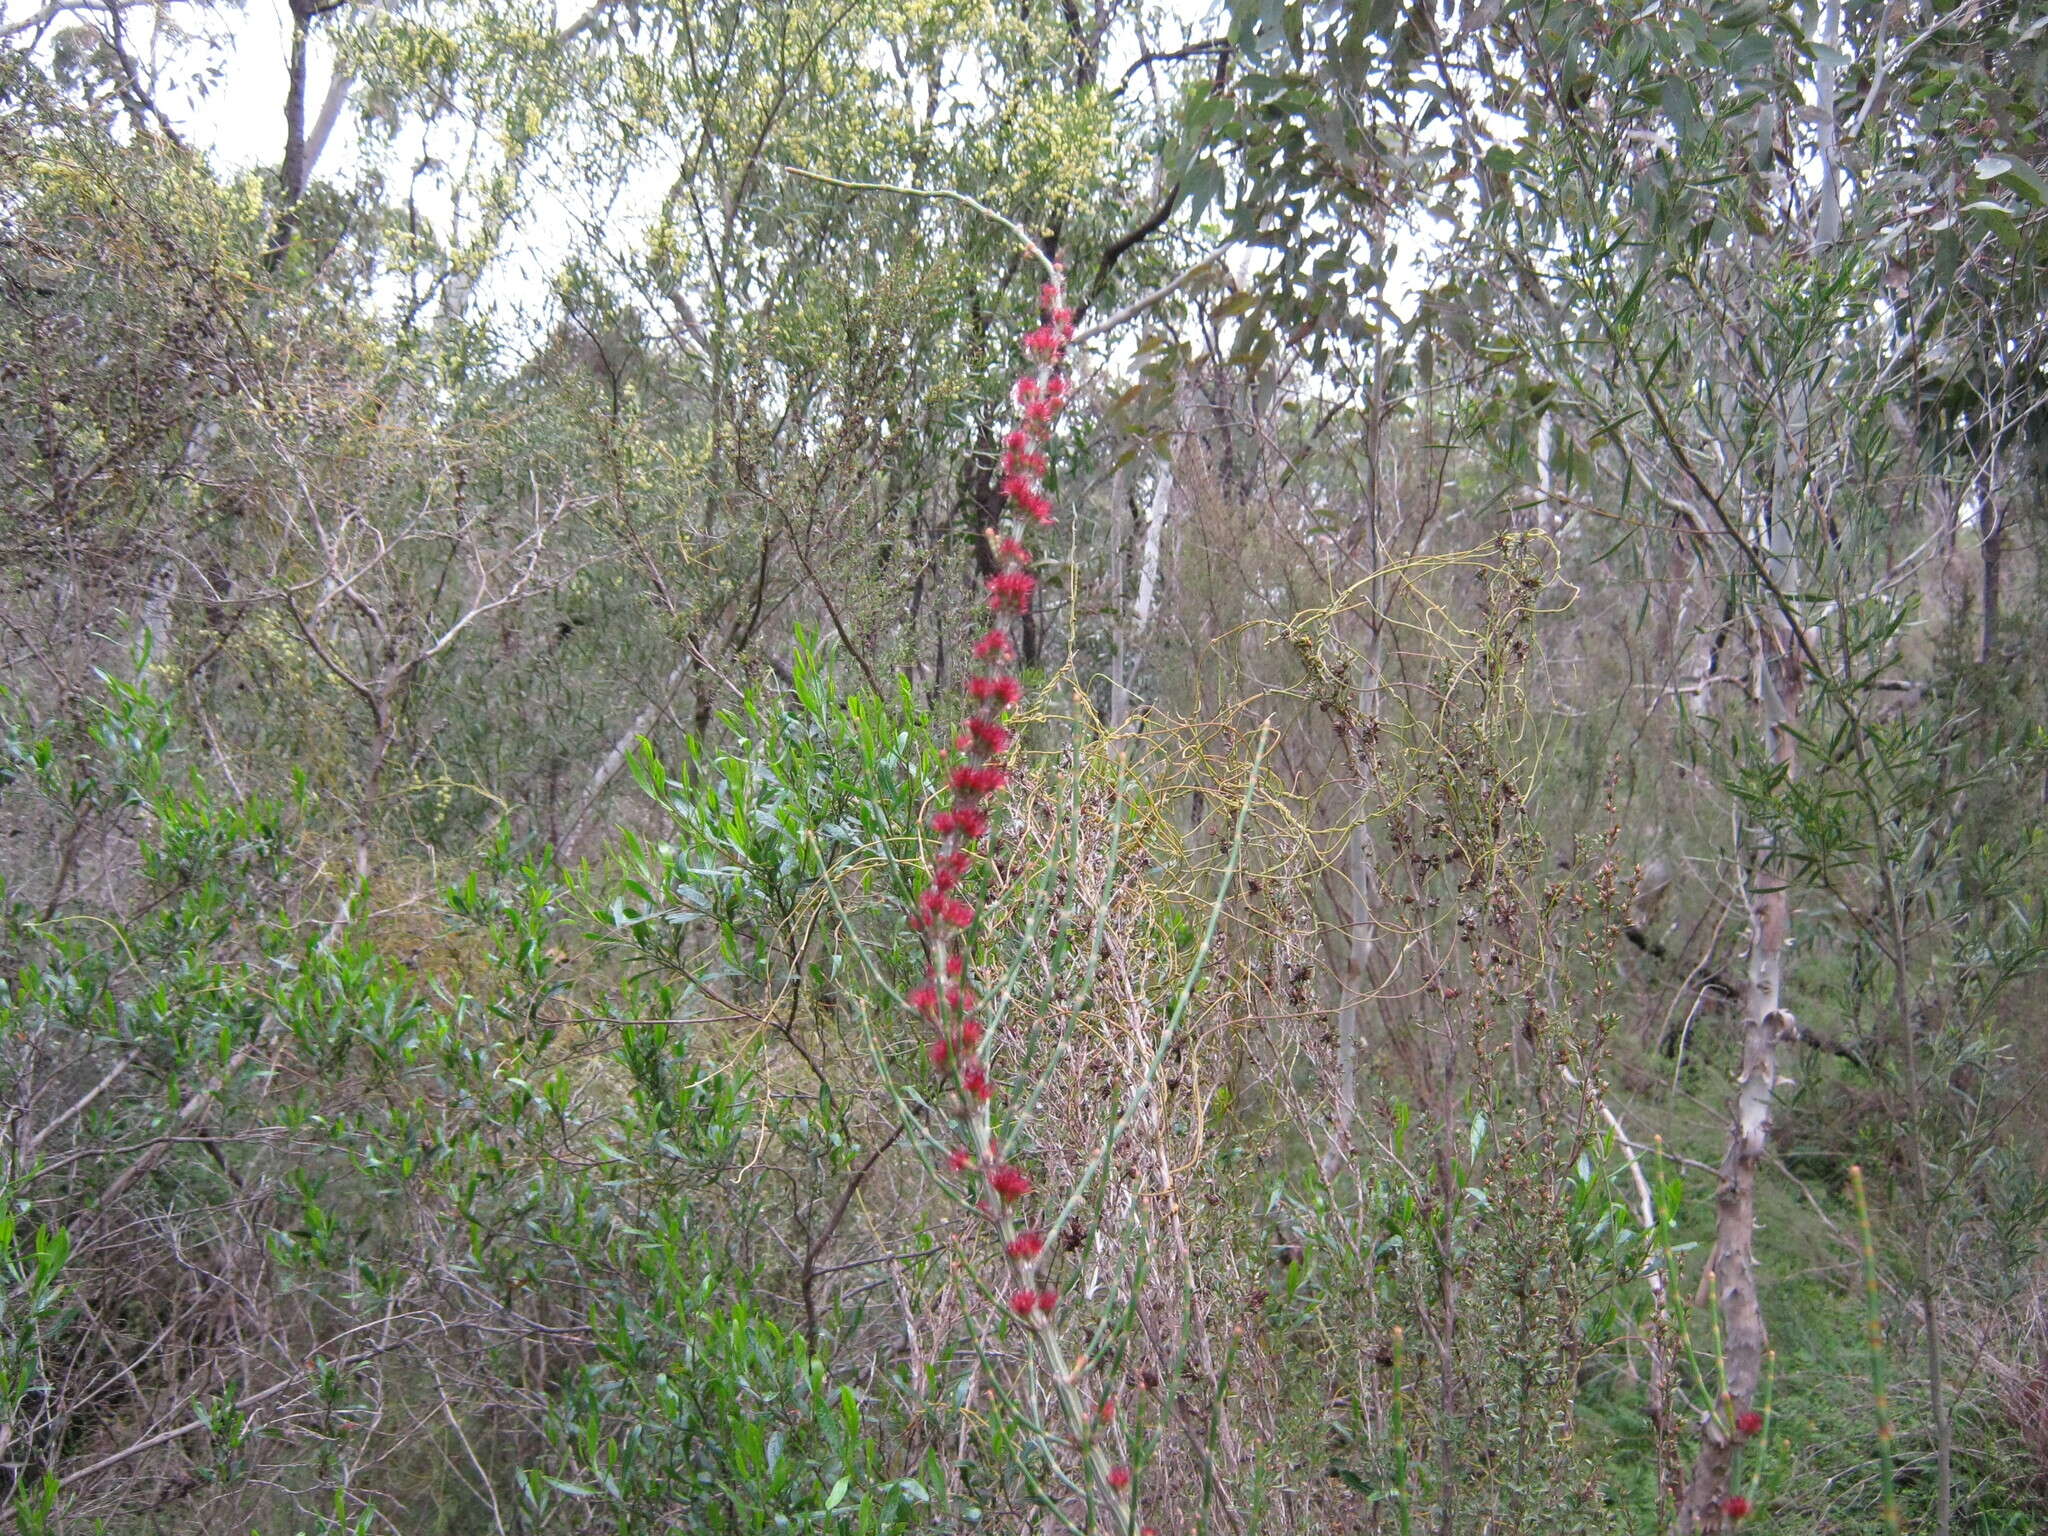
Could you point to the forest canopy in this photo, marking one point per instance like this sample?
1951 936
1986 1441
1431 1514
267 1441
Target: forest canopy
917 766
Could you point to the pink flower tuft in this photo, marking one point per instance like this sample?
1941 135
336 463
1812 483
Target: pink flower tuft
1735 1506
1010 1183
1023 1302
1010 589
1119 1478
1048 1298
1000 689
977 781
1749 1422
1026 1246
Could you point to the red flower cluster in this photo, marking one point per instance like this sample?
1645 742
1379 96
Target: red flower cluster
1735 1506
1749 1423
946 1002
979 772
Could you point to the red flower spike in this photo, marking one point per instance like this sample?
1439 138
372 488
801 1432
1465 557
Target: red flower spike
1735 1506
1026 1246
1119 1478
1010 1183
1022 1302
1749 1423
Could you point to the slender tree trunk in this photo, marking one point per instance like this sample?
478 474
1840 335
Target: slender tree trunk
292 175
1992 551
1732 1268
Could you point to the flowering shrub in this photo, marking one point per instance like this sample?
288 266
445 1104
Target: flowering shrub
946 1002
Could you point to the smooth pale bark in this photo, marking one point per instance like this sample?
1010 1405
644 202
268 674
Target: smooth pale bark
1731 1272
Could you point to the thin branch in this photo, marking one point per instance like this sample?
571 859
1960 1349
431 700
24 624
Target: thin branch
946 194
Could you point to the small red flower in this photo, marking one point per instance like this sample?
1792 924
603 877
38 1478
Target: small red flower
969 780
1749 1422
925 1000
1026 1246
956 913
959 1158
1119 1478
971 822
1012 551
1048 1298
1105 1411
970 1033
974 1078
1000 688
1010 589
955 964
940 1053
1010 1183
993 646
944 823
1735 1506
1022 1302
989 738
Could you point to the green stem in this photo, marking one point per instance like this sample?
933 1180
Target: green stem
1873 1335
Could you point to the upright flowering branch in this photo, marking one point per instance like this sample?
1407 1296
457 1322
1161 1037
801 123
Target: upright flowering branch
946 1001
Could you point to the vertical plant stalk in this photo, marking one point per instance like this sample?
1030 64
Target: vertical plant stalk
1925 1265
1873 1339
1397 1437
1709 1502
946 1001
